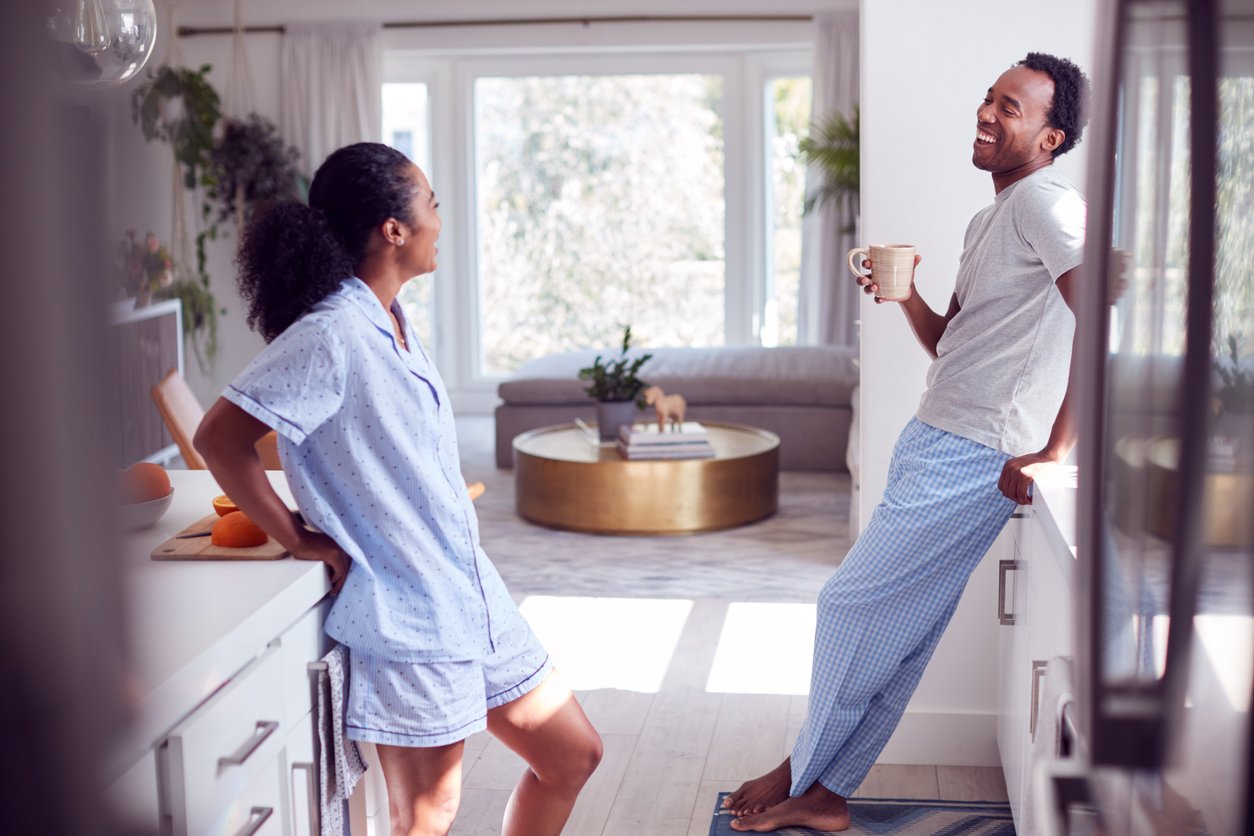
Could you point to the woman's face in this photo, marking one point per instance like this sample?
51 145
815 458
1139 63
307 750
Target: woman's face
420 250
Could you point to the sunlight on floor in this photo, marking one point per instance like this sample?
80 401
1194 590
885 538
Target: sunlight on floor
764 649
622 643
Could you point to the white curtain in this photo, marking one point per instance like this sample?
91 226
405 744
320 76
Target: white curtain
331 80
829 298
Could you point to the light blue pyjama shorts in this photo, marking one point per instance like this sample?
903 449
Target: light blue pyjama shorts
427 704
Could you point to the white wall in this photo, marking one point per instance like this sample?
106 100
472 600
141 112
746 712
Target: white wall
925 68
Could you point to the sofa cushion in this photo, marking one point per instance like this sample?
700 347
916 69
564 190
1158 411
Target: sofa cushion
801 375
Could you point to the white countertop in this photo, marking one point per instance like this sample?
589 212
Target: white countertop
192 625
1054 504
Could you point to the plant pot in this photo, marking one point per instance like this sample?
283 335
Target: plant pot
613 414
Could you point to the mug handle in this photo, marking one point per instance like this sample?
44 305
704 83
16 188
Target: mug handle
866 252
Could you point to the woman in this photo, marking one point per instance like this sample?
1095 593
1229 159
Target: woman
437 648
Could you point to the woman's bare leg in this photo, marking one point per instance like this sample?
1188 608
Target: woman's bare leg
548 729
424 787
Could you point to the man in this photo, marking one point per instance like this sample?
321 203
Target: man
995 412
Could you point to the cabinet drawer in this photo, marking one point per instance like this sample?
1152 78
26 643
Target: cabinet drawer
215 754
301 780
301 644
256 811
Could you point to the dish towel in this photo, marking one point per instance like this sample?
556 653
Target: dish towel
340 765
1057 692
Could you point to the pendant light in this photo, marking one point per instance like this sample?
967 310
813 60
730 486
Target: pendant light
101 42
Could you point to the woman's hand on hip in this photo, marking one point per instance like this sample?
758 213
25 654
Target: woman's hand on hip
315 545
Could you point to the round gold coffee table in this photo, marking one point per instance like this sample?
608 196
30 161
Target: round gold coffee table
564 480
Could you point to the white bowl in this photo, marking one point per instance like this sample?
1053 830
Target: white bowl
141 515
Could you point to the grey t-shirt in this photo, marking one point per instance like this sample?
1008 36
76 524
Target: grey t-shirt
1001 367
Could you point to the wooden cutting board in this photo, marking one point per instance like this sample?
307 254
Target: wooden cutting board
201 548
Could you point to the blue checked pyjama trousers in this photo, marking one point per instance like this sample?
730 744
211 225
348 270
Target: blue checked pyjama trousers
882 613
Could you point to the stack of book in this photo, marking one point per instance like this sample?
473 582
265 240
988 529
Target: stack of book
688 440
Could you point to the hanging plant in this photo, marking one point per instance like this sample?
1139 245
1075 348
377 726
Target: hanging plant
249 165
180 106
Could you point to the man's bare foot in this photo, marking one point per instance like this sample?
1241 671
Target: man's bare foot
760 793
818 807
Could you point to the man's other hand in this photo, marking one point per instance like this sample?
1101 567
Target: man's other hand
1018 475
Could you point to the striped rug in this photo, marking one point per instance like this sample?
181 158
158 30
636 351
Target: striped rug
903 817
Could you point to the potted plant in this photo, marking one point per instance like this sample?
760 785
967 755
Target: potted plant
616 388
833 147
145 266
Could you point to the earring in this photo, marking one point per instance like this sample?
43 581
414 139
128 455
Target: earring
400 242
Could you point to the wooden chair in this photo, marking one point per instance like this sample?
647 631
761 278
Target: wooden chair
182 414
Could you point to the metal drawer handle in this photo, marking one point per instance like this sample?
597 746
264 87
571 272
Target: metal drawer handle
311 782
1038 673
257 816
264 729
1004 566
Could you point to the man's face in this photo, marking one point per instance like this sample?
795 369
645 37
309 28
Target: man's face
1011 125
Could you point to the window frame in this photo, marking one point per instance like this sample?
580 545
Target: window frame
450 78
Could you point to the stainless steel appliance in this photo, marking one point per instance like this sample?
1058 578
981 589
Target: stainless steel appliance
1161 735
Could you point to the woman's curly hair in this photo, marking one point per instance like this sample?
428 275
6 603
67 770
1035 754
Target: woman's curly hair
291 256
1068 112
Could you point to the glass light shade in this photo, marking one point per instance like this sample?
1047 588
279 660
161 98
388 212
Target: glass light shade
101 42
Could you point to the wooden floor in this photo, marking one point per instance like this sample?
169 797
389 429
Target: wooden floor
695 672
668 754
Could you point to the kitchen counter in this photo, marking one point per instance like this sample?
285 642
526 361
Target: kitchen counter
192 625
1054 504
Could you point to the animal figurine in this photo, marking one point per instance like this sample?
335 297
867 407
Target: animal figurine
653 396
670 408
667 407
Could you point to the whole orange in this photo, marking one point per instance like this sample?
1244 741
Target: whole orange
223 505
237 531
144 482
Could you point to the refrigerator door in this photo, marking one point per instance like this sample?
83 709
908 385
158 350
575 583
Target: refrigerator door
1166 507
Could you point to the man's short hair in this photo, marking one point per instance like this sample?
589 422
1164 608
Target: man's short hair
1068 112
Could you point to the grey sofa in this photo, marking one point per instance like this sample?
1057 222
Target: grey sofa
802 394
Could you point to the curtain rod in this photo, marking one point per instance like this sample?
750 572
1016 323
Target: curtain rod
193 31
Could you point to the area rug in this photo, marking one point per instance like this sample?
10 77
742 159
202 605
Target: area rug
905 817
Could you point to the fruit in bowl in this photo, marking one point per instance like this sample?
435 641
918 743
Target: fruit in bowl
146 494
143 482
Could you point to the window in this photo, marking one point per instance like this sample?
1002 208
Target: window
788 119
599 203
586 191
406 127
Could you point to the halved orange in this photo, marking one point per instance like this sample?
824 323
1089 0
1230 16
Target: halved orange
237 531
223 505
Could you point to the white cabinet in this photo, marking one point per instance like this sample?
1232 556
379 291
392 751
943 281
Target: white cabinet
222 740
1036 590
1013 615
299 775
242 762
